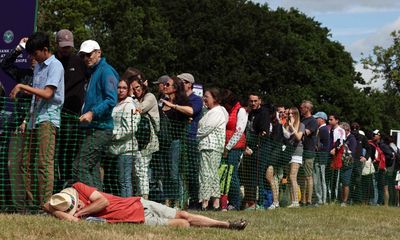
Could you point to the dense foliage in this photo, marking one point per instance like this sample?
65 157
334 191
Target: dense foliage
237 44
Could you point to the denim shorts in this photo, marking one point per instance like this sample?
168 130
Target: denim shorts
345 176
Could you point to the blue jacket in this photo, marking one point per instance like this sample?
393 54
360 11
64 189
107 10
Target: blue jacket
101 95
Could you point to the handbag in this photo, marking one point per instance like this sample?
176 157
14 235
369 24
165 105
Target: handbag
368 168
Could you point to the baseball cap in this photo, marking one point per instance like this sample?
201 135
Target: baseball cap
186 77
89 46
321 115
64 38
376 132
163 79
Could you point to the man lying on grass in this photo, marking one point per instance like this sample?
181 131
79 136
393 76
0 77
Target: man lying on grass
82 201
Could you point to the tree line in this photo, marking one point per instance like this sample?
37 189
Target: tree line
237 44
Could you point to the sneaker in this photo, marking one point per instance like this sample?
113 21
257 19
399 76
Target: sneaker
343 204
238 225
231 208
273 206
294 205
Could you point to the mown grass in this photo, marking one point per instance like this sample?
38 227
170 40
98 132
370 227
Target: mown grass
328 222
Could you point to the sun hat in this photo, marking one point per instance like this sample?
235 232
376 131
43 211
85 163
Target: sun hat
65 201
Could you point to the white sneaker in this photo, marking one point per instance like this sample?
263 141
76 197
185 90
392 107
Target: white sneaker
294 205
273 206
343 204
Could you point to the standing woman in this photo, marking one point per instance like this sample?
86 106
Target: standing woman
147 106
211 135
124 143
293 130
173 108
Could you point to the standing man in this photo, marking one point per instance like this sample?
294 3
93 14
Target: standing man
74 80
43 118
309 142
100 99
257 132
321 158
192 145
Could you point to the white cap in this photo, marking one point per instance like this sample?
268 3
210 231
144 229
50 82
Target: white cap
89 46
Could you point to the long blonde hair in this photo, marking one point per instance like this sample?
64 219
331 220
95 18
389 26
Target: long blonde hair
296 115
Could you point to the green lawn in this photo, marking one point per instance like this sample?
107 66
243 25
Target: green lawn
328 222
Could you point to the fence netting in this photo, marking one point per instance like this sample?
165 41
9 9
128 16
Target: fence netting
38 162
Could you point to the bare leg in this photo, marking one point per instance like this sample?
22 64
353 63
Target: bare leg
204 204
199 220
270 178
386 195
345 196
216 203
294 168
310 186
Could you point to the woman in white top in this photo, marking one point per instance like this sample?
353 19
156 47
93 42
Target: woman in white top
293 130
124 143
211 135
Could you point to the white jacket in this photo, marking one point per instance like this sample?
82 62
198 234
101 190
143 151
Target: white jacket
211 131
126 123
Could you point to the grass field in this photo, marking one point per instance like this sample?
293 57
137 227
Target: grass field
328 222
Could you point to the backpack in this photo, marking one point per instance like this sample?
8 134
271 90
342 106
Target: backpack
143 133
380 158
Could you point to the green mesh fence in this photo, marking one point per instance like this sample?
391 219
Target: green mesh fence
39 162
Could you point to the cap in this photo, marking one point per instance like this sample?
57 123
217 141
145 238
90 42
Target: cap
376 132
64 38
321 115
186 77
163 79
89 46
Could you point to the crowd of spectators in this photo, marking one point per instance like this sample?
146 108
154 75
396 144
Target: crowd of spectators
170 146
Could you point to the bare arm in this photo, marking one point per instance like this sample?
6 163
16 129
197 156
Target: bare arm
46 93
187 110
98 203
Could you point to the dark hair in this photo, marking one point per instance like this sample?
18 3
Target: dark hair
37 41
180 94
215 93
229 99
132 73
355 126
142 85
126 81
336 116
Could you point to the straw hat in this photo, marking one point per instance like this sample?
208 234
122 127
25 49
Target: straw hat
65 201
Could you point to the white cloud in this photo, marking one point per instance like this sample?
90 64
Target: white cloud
381 37
367 75
332 6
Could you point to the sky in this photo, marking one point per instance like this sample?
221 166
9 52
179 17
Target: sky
358 25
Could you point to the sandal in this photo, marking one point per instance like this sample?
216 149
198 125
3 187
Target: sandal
238 225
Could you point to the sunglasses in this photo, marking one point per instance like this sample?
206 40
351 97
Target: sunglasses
88 55
167 84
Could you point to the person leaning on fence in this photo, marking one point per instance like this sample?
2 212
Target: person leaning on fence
81 202
293 131
177 120
235 143
43 119
147 107
124 143
96 119
211 135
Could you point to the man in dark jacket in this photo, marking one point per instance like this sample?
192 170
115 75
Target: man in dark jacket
74 81
257 131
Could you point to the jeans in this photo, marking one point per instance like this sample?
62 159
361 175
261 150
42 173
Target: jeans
125 174
320 182
234 189
175 184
